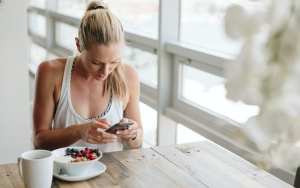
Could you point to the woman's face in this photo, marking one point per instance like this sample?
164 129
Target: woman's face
100 60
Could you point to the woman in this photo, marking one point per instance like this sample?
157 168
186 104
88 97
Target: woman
79 97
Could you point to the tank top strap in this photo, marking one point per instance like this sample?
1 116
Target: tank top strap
67 76
65 85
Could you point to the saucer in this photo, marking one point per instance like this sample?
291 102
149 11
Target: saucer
96 170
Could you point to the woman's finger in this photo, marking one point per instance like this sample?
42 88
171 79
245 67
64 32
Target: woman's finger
109 136
125 132
129 135
106 141
101 140
95 133
101 125
134 125
97 138
92 140
103 121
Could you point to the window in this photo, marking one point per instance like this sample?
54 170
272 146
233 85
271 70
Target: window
186 135
209 92
202 24
38 3
74 8
138 16
145 63
37 24
149 121
65 35
37 55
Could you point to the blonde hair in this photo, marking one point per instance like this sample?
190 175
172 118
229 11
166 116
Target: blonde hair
100 26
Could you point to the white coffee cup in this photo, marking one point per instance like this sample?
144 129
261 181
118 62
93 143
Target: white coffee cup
36 168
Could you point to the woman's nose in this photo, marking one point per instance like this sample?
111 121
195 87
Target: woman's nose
104 70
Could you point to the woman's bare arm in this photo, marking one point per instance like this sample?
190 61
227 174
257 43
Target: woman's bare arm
132 110
43 111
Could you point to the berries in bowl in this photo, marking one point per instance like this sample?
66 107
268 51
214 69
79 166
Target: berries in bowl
75 160
86 154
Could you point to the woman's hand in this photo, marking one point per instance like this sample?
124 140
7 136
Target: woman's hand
94 132
131 133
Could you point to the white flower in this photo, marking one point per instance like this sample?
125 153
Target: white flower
290 43
234 19
286 156
267 74
279 13
251 129
241 24
245 82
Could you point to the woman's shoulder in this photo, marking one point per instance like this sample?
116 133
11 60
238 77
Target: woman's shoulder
51 71
52 67
131 75
132 82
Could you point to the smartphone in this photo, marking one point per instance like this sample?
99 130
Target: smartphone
121 126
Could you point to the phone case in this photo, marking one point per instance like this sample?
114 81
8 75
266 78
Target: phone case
118 127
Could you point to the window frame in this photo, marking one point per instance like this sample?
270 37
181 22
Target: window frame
37 11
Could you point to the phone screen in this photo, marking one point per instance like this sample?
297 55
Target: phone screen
118 127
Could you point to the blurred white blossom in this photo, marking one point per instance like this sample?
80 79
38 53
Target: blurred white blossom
240 23
267 74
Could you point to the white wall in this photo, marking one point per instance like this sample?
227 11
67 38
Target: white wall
15 129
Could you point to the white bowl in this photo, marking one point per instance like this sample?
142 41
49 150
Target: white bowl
63 163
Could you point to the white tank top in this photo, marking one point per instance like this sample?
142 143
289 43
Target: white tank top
66 115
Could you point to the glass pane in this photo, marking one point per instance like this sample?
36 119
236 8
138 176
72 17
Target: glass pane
74 8
38 3
65 35
149 120
186 135
209 92
37 24
138 16
145 63
37 55
202 24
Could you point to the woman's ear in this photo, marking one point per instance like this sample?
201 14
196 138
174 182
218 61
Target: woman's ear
77 44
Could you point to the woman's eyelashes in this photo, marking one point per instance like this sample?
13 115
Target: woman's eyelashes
115 62
99 64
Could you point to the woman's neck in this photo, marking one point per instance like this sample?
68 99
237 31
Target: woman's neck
86 79
79 69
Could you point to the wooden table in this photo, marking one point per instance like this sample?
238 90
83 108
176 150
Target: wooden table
197 165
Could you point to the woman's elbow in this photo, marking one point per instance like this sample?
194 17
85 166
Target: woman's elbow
39 141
